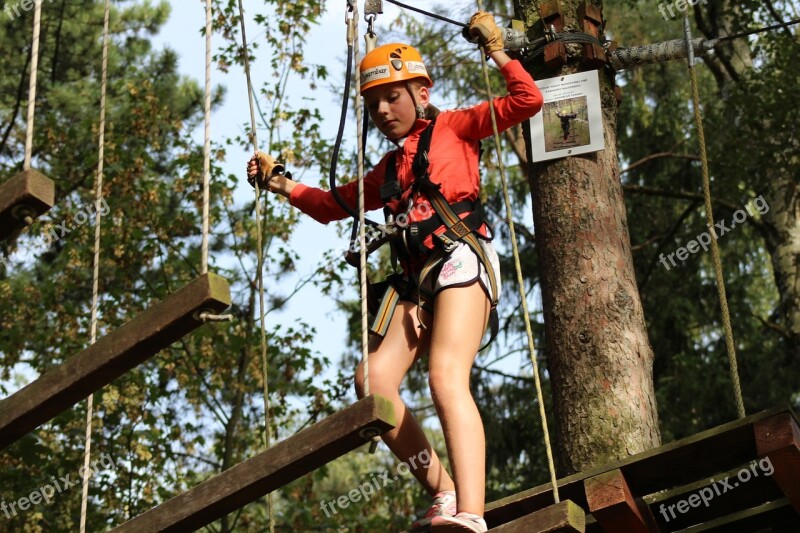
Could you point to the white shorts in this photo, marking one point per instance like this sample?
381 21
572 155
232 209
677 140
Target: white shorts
463 267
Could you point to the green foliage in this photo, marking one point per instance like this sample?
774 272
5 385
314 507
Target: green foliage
196 408
665 212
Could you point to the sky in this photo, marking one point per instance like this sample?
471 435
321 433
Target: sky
182 34
326 44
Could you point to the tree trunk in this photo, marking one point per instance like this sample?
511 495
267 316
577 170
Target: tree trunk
783 244
598 353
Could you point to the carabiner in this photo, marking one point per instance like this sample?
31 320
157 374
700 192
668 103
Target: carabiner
370 38
351 19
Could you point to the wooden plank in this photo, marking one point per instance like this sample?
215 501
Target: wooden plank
778 440
29 193
712 498
614 507
111 356
777 515
562 516
677 463
282 463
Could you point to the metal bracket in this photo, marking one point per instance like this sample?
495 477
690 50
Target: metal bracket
371 433
207 315
23 213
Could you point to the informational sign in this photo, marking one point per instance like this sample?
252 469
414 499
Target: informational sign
571 119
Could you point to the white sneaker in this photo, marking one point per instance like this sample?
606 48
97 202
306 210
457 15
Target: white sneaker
463 522
444 504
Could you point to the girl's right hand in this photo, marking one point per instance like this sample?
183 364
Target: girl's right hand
269 173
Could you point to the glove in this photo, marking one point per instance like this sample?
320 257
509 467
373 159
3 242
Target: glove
483 26
265 167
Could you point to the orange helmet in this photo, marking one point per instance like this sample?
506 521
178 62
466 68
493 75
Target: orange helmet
390 63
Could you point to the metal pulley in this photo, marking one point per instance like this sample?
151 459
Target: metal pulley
373 7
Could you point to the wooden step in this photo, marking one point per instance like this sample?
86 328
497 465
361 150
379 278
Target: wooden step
564 516
111 356
284 462
677 472
28 194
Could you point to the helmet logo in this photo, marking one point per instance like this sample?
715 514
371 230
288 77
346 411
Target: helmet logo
376 73
397 64
416 67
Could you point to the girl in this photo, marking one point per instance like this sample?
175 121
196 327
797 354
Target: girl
443 298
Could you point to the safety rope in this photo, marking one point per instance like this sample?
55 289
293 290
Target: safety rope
37 25
96 269
260 254
715 254
520 281
352 37
206 147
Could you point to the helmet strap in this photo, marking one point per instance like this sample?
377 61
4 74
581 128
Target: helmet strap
419 107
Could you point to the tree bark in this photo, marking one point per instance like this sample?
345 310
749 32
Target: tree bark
783 245
598 353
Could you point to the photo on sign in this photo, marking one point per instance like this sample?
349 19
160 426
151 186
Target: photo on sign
571 120
566 124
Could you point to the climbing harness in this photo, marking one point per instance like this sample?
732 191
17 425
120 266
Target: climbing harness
445 227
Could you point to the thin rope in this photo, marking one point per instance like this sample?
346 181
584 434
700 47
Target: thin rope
37 25
260 254
206 147
352 37
96 269
520 281
715 254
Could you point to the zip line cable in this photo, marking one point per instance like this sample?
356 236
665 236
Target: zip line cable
715 254
520 280
760 30
427 13
260 254
96 260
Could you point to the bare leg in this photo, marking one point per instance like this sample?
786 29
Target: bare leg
389 361
460 317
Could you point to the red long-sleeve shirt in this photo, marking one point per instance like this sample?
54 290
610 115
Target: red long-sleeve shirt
453 155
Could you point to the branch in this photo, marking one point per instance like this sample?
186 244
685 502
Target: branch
694 205
773 326
683 195
658 156
503 374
